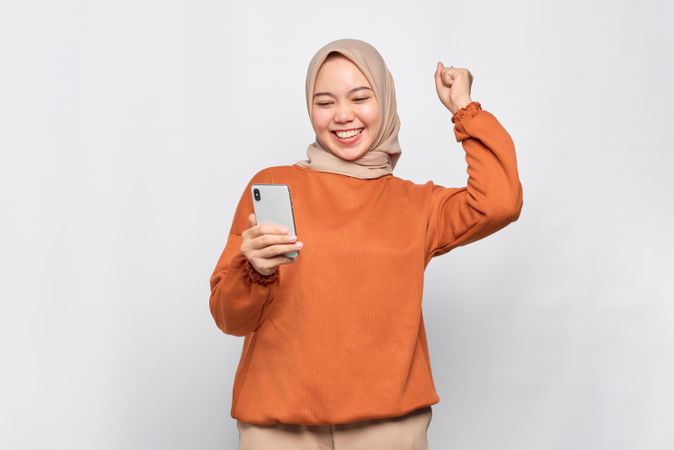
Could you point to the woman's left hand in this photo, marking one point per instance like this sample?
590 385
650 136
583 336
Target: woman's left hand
453 86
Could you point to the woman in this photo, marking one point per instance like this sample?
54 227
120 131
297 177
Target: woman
335 350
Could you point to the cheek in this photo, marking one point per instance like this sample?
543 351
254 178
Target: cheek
320 121
371 116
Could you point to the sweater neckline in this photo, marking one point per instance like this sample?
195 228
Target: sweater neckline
342 175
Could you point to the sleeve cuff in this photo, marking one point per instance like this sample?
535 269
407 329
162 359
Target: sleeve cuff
256 277
467 111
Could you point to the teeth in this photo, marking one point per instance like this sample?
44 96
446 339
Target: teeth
348 134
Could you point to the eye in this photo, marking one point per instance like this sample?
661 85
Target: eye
361 99
323 103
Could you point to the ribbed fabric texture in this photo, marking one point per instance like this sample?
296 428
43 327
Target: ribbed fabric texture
338 336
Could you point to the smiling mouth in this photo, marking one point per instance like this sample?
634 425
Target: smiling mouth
348 134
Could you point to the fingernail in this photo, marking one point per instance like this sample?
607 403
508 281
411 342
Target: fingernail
299 244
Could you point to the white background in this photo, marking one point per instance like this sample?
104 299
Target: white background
129 129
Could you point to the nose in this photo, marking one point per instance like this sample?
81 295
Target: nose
344 113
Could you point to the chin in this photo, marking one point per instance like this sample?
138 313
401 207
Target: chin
349 156
347 153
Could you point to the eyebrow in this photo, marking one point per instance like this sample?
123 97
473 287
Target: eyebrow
352 90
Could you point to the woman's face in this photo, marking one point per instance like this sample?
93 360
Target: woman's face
344 104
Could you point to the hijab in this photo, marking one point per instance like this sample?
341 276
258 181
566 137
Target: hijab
384 151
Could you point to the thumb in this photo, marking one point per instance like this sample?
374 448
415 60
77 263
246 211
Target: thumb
251 220
438 75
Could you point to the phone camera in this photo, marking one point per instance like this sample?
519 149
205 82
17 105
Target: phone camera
256 194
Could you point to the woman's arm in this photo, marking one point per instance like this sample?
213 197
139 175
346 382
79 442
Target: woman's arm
493 197
238 292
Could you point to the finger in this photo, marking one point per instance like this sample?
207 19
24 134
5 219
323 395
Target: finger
251 223
285 260
267 240
448 76
282 260
267 228
275 250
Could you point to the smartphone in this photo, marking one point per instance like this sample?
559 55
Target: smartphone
272 204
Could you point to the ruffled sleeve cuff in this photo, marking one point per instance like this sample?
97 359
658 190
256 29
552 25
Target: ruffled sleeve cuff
253 275
467 111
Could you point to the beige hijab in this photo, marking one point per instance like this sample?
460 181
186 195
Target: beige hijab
383 155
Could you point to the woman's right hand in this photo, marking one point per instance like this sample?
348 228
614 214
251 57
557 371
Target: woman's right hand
264 246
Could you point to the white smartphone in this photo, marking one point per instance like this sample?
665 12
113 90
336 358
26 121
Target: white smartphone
272 204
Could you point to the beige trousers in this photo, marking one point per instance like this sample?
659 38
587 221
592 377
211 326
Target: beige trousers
406 432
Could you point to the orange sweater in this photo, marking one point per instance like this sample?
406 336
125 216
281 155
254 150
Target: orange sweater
338 335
